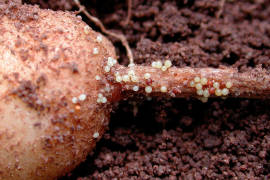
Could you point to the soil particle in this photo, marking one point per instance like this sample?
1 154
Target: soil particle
211 142
177 138
211 147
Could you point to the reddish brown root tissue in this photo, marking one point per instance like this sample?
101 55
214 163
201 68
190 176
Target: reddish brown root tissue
198 82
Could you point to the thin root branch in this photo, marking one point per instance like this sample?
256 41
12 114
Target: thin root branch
98 23
129 13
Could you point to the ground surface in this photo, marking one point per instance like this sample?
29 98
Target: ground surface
177 138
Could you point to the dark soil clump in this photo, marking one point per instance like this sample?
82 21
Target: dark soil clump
177 138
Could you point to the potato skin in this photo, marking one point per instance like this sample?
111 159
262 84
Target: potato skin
46 60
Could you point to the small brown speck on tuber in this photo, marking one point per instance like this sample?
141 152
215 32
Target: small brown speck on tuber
58 79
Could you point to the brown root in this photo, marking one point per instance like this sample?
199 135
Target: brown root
194 82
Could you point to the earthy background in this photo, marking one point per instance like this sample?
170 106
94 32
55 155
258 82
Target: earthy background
184 138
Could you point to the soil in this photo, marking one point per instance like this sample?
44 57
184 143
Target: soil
184 138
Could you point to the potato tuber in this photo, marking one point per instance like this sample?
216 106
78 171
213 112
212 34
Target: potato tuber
58 79
49 117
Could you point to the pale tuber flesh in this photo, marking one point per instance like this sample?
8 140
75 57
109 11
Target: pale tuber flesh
58 79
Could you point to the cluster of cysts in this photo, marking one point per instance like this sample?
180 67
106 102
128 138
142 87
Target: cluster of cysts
206 88
132 77
101 98
158 64
76 101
